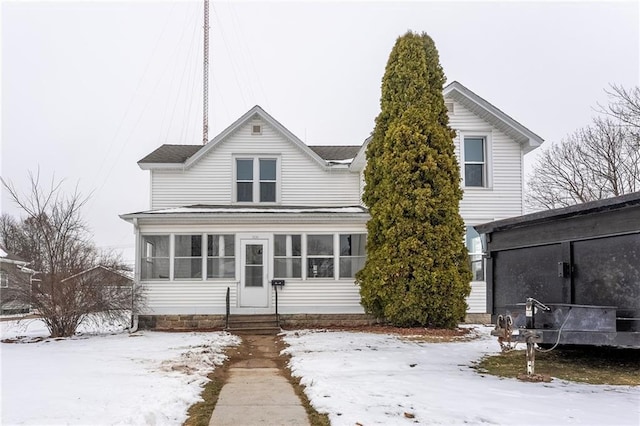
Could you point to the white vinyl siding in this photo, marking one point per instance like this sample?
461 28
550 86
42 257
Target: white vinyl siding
303 182
502 197
299 295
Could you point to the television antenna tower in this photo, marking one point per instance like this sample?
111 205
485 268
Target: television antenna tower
205 77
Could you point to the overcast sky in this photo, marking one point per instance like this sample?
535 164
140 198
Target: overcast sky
89 88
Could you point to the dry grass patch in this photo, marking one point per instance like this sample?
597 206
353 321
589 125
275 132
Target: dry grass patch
415 334
593 365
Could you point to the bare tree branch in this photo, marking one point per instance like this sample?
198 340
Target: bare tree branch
599 161
55 237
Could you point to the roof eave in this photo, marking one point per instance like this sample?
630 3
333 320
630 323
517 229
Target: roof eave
164 166
528 139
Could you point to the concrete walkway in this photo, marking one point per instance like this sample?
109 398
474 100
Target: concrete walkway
256 391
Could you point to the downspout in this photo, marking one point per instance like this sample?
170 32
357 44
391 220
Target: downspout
133 326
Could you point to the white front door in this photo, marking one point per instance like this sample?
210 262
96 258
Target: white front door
254 289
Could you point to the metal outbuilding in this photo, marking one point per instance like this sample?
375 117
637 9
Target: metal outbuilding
580 266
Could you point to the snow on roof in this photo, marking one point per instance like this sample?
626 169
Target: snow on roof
3 253
270 210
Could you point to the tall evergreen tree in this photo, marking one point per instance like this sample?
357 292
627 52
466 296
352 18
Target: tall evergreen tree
417 271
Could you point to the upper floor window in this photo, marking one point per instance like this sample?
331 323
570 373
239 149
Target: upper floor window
4 279
475 164
474 247
256 180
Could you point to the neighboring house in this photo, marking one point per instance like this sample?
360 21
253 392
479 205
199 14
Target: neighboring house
103 276
256 204
15 284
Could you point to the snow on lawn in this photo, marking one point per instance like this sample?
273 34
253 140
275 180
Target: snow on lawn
96 378
376 378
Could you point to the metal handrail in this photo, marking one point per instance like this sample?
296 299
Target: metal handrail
228 301
277 315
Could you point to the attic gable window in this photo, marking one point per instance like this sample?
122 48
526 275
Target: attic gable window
256 129
256 180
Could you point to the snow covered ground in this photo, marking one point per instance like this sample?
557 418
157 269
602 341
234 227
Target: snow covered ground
104 376
363 378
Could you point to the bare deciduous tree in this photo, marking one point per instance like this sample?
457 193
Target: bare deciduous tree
55 238
599 161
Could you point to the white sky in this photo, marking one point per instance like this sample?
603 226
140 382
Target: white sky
89 88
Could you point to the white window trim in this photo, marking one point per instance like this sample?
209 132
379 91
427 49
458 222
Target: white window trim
488 159
256 178
206 257
143 251
322 256
203 243
4 279
289 253
483 253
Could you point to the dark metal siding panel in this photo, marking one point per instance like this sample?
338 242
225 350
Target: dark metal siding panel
593 225
606 271
527 272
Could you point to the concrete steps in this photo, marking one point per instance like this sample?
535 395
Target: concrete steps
253 324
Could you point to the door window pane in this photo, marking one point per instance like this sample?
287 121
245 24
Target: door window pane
254 265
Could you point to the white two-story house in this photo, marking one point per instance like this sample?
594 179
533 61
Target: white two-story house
255 204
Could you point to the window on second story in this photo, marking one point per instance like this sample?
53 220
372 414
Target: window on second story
475 164
256 180
4 279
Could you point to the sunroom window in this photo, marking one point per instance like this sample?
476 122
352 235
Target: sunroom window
476 260
188 256
352 254
320 256
221 260
154 262
287 256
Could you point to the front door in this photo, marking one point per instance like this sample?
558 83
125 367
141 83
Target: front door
254 291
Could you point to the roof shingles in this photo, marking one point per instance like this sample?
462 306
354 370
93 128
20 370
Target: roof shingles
177 154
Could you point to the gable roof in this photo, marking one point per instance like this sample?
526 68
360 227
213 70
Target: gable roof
100 269
493 115
183 156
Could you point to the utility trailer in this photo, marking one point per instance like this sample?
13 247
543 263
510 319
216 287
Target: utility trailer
567 276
